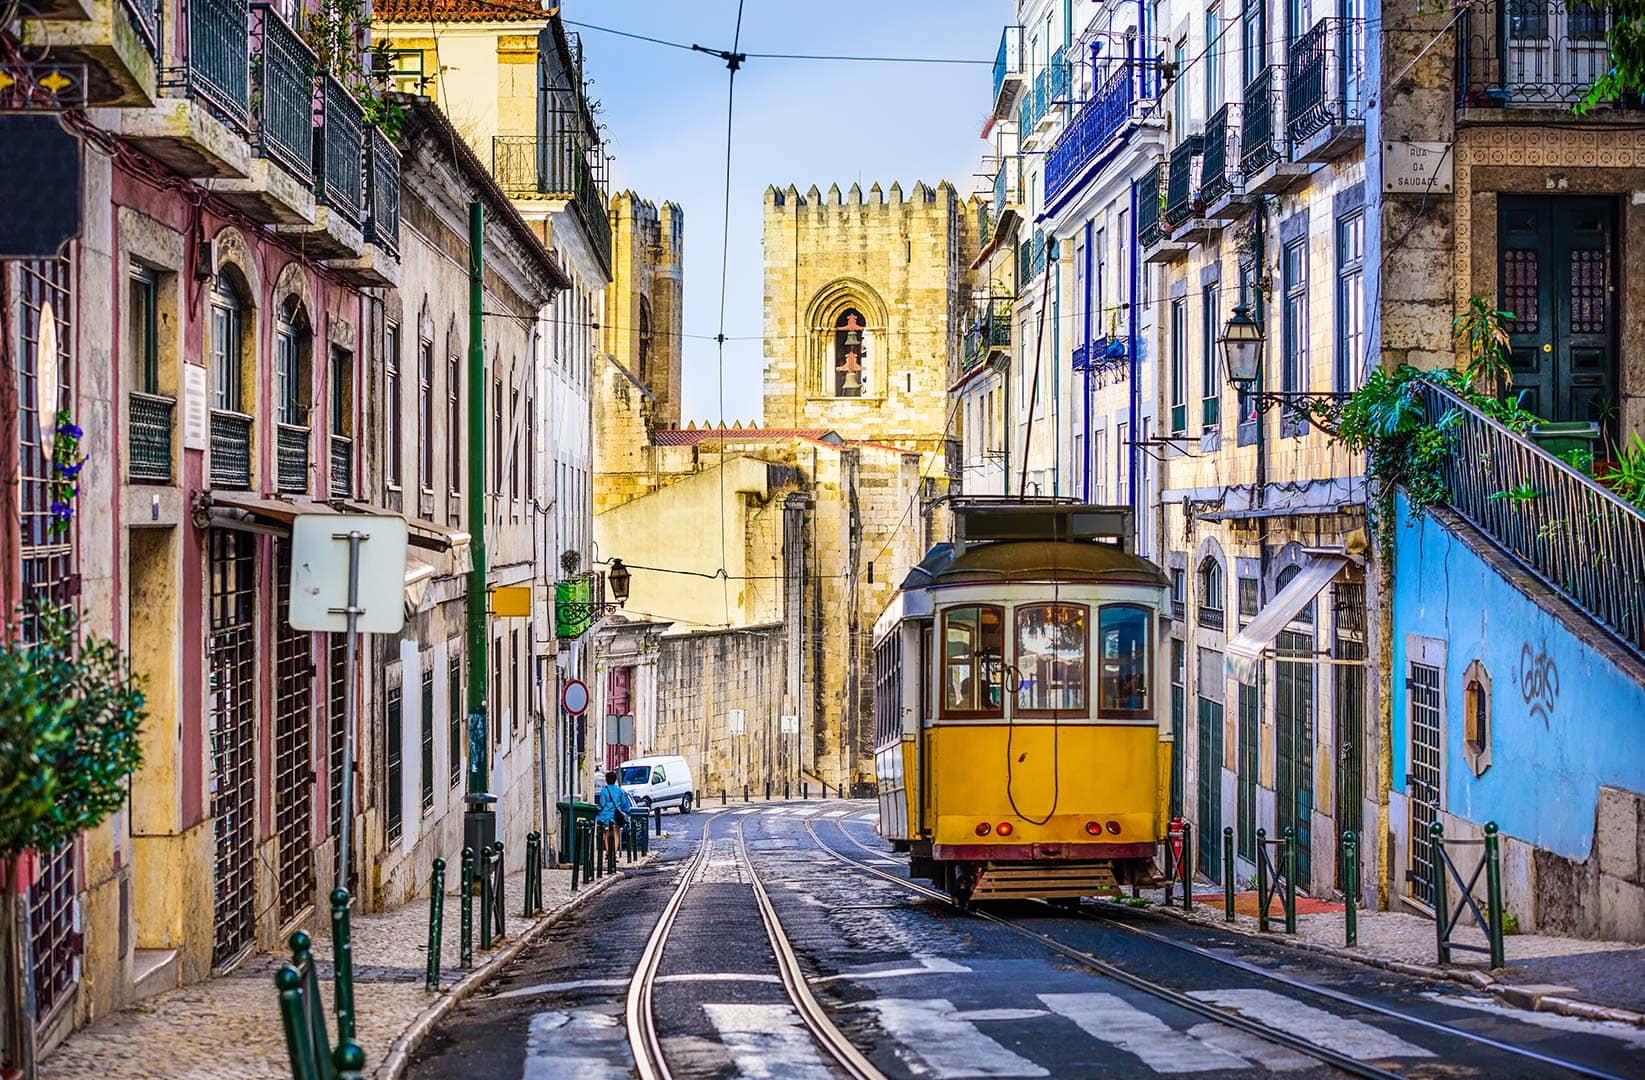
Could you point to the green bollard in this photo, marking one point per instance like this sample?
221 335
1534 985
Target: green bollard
484 870
1227 873
1350 887
349 1060
590 835
342 961
467 957
436 923
299 1045
1187 867
498 900
1436 870
1493 895
1262 880
576 855
1290 880
530 849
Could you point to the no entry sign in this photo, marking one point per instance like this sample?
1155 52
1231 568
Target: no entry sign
574 697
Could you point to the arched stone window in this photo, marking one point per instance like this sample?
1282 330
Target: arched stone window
847 323
1211 594
293 345
644 359
850 354
228 341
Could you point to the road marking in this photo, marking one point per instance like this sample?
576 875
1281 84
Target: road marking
558 988
949 1046
835 813
1614 1029
750 810
1270 1056
717 976
1355 1038
561 1046
768 1041
807 811
1121 1024
929 965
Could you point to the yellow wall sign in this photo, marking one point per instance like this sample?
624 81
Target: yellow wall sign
511 601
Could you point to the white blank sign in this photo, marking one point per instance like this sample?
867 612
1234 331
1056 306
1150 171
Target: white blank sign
319 572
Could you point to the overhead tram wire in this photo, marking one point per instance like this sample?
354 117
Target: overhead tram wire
841 58
733 60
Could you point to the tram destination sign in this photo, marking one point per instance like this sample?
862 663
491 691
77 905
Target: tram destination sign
1416 168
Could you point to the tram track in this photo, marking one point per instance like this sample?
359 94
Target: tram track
1350 1065
640 1017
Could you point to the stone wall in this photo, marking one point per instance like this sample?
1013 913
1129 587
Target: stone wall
703 676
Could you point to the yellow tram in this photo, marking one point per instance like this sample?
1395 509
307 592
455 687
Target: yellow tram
1022 746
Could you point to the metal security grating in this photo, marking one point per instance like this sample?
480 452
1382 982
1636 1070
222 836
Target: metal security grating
427 777
231 650
1422 783
454 717
57 943
293 761
337 716
393 778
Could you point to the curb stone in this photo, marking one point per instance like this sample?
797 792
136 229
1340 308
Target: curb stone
1507 993
400 1051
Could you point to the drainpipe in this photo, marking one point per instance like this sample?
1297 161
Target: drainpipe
1085 466
1055 270
1133 395
479 819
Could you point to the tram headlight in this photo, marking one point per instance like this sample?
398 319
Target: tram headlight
1004 829
982 828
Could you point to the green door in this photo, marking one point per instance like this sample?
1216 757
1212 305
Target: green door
1294 742
1350 710
1179 749
1209 836
1556 265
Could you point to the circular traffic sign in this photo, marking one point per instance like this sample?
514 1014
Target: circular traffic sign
574 697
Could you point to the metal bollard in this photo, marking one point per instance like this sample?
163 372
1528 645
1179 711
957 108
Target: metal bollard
785 789
498 900
348 1059
576 855
484 871
1350 886
768 791
657 815
436 923
289 981
591 835
467 958
1227 873
1493 895
722 794
1290 880
530 849
1436 863
805 789
745 793
1187 867
1262 880
342 962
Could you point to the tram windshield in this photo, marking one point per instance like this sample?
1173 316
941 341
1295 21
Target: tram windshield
973 650
1122 635
1051 657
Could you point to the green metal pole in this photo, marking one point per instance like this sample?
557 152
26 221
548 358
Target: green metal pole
342 960
289 983
1493 895
1436 870
1290 880
1228 873
1262 880
480 823
349 1059
436 923
485 897
1350 886
498 900
1187 866
467 957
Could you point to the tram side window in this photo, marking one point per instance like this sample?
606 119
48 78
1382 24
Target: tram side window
1123 646
973 655
1051 658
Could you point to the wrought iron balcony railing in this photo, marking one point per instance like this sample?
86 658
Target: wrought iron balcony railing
382 192
1182 199
148 429
1150 195
1210 617
1097 122
1324 79
525 165
988 331
1007 184
291 457
1530 53
1261 134
1031 256
1579 538
1052 84
230 450
1009 60
218 66
339 151
1221 154
282 68
145 18
342 465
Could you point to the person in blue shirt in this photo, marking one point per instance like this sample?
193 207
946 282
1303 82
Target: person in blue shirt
615 808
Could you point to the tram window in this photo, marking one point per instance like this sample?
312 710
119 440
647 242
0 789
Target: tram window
1122 635
1051 658
973 651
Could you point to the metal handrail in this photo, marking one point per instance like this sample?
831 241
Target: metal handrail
1270 880
1009 59
342 465
145 17
1574 534
1321 79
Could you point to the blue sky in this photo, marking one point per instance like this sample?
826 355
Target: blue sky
797 122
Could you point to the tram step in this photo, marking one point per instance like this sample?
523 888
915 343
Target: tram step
1009 882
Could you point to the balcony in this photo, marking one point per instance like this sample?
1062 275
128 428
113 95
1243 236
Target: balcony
338 145
341 481
1324 91
230 450
379 265
1008 71
1579 538
1030 257
1154 232
557 168
1184 205
1007 186
148 432
1530 54
291 458
1110 110
1052 85
118 41
1219 175
279 186
989 332
205 132
1264 153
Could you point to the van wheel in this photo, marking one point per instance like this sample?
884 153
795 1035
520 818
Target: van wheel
685 803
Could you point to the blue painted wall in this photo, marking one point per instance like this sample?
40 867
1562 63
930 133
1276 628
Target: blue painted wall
1564 719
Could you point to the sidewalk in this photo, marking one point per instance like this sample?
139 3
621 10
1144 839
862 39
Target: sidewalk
1597 980
228 1028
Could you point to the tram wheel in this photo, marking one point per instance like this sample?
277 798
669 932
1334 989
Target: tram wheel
958 883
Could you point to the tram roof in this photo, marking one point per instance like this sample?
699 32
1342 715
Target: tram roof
1045 560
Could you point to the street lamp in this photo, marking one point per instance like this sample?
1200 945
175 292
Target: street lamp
618 577
1242 345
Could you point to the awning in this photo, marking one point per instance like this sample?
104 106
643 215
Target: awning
1251 645
419 576
245 512
425 535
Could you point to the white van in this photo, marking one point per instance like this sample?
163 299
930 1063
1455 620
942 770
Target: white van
657 781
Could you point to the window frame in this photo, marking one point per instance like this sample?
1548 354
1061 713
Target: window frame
393 433
1294 366
1179 365
1084 707
425 415
1149 664
454 425
946 711
1350 298
1213 589
1210 368
143 297
228 391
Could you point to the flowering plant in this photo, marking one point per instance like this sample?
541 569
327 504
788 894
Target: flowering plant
66 463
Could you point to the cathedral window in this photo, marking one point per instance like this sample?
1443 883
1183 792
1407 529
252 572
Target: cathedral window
644 364
850 354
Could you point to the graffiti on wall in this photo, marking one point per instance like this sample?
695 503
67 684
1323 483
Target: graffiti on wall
1538 681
